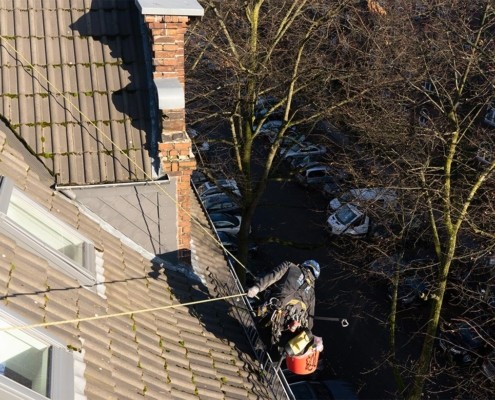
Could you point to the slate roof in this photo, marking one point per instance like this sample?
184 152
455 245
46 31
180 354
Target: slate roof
195 352
74 86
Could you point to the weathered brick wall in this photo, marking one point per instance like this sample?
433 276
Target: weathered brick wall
168 45
177 160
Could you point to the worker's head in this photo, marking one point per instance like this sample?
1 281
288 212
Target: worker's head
313 266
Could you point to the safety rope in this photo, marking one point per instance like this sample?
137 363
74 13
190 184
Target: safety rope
120 314
57 91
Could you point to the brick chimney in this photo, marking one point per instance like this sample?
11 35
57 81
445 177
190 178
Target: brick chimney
167 24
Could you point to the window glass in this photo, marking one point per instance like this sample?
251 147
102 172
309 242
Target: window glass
25 360
43 227
345 215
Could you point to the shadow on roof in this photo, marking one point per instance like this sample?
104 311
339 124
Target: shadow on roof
119 26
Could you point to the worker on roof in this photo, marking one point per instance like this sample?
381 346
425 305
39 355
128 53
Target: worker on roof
290 302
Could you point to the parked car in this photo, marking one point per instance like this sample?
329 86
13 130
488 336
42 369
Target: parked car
371 196
270 127
412 288
223 203
288 140
263 106
301 150
462 341
488 365
299 163
384 267
226 187
198 178
224 222
348 220
315 175
200 143
229 241
207 187
332 389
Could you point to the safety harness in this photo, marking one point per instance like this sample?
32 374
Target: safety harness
281 317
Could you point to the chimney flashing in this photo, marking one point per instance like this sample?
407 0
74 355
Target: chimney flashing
170 94
190 8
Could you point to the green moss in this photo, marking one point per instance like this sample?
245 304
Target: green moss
73 348
11 95
46 155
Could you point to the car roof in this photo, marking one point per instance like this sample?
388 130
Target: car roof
315 165
373 193
210 201
219 216
221 182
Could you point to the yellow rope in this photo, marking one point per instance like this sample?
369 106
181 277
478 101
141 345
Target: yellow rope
56 90
97 317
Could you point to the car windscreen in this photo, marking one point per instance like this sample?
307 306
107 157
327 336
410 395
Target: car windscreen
345 215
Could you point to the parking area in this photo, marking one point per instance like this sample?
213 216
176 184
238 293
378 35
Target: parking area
357 353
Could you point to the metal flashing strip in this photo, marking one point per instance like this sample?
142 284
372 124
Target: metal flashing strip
170 94
190 8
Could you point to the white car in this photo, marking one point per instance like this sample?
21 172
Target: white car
301 150
348 220
223 204
315 175
210 188
371 196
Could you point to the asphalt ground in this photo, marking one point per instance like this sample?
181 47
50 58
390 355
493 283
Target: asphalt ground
290 224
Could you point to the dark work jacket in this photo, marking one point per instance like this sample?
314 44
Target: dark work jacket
288 280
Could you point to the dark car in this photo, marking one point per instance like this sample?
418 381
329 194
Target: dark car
412 289
488 366
333 389
384 267
229 241
224 222
462 341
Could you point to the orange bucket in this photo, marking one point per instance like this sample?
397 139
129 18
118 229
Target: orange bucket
304 364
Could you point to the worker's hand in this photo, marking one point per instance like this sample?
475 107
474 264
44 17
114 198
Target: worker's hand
253 291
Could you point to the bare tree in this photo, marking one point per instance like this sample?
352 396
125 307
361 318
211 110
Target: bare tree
428 130
273 51
413 84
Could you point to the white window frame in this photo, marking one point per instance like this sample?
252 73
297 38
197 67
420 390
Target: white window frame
61 374
85 274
